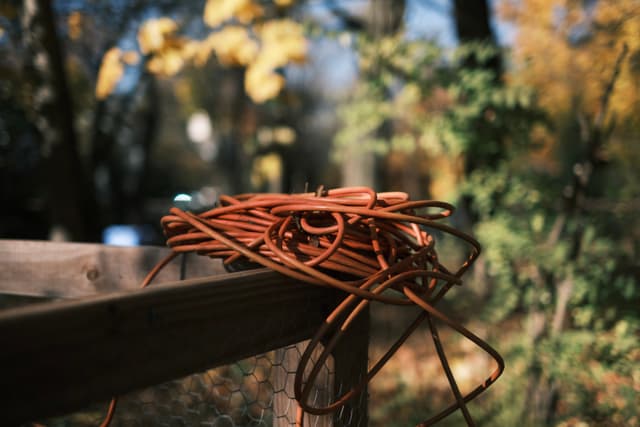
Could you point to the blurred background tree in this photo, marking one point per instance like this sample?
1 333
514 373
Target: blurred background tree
525 113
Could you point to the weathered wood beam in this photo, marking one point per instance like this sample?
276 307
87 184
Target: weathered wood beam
351 357
71 270
59 357
345 369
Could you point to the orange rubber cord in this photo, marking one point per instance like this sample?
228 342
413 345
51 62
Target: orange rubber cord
376 247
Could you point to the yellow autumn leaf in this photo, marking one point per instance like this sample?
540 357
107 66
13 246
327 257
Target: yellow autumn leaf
111 71
190 49
261 82
155 65
166 63
248 12
203 52
283 41
284 135
272 56
267 168
173 62
217 12
233 45
565 71
130 57
74 23
153 34
168 51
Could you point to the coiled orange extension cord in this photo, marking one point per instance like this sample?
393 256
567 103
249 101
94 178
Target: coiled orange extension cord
373 246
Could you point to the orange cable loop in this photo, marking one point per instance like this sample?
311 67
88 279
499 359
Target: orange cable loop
373 246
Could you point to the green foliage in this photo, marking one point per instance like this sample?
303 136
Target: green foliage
411 100
598 377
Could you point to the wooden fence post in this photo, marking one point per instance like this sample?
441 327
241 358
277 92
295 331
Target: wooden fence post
344 370
351 360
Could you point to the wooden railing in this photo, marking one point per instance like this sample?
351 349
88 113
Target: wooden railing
103 336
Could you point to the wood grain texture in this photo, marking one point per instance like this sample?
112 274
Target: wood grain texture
71 270
351 360
59 357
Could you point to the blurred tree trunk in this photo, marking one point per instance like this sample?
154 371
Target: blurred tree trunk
234 158
360 167
136 111
385 17
124 129
472 20
150 115
69 192
473 24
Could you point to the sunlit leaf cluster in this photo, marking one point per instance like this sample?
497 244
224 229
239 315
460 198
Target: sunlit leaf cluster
565 50
241 35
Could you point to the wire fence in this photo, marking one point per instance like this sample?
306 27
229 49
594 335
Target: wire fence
253 392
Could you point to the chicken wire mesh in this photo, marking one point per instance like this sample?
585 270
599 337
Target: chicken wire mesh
256 391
